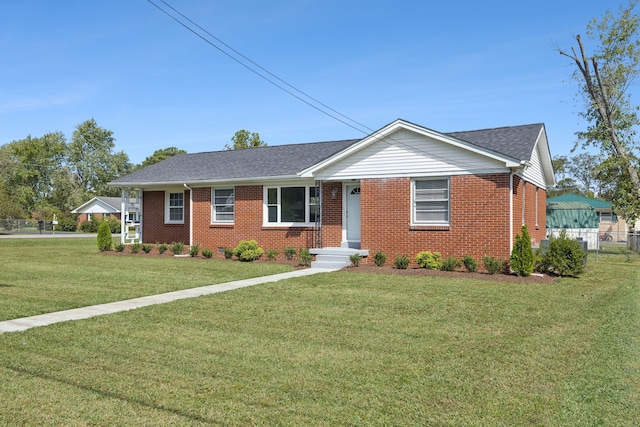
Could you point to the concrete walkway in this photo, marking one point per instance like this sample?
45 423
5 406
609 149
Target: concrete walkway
24 323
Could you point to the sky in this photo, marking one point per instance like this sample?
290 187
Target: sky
449 66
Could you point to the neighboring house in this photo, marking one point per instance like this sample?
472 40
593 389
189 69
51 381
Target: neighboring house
97 208
403 189
578 219
607 224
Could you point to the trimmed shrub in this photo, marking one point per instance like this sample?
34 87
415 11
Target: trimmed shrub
104 239
470 264
450 264
119 247
194 250
427 259
562 257
493 265
522 259
162 248
177 248
146 248
228 253
379 258
135 248
355 259
272 254
401 262
89 226
207 253
248 250
289 253
305 258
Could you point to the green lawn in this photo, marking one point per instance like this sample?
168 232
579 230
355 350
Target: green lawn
44 275
342 349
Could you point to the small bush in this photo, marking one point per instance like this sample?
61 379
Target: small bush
305 258
89 226
163 247
248 250
355 259
194 250
401 262
228 253
427 259
470 264
146 248
135 248
272 254
119 247
67 223
177 248
104 239
450 264
522 259
289 253
562 257
379 258
207 253
493 265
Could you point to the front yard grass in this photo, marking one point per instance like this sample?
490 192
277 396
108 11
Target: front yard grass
344 349
44 275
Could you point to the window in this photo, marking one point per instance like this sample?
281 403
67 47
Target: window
431 201
608 217
223 205
291 205
174 208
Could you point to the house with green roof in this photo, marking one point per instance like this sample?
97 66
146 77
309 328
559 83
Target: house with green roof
402 189
585 217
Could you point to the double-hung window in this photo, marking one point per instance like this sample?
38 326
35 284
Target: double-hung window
431 201
223 207
174 208
295 205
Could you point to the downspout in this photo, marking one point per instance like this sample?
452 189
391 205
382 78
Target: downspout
190 214
510 209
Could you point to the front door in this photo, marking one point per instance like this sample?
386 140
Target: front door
352 214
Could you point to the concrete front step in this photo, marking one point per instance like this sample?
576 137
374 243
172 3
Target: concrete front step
335 258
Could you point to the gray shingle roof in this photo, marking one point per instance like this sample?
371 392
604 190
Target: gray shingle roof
516 142
253 163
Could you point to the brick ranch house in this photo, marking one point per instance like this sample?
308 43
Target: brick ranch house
99 207
403 189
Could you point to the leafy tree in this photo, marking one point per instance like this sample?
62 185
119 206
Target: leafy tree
93 161
605 78
245 139
34 166
160 155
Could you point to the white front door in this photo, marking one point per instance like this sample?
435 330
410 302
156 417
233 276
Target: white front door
352 213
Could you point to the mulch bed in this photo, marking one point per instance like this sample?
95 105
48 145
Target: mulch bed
371 268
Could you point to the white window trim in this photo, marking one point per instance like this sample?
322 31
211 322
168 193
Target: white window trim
265 216
213 206
166 207
413 202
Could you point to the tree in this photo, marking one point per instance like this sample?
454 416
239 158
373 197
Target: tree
583 168
160 155
604 79
34 166
245 139
93 161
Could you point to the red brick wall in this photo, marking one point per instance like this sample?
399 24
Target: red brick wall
479 222
248 224
153 227
534 219
83 217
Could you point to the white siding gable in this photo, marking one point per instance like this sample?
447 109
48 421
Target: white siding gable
406 153
533 172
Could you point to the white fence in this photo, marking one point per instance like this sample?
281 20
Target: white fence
596 238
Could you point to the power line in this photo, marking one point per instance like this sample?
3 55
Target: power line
260 71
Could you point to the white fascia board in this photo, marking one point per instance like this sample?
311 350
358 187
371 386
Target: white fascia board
545 157
401 124
82 206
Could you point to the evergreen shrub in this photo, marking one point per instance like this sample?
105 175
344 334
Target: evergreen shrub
470 264
248 250
427 259
562 257
522 260
379 258
104 239
401 262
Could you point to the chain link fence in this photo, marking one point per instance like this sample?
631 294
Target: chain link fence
25 226
595 239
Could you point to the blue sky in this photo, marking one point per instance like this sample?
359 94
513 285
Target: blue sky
449 66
